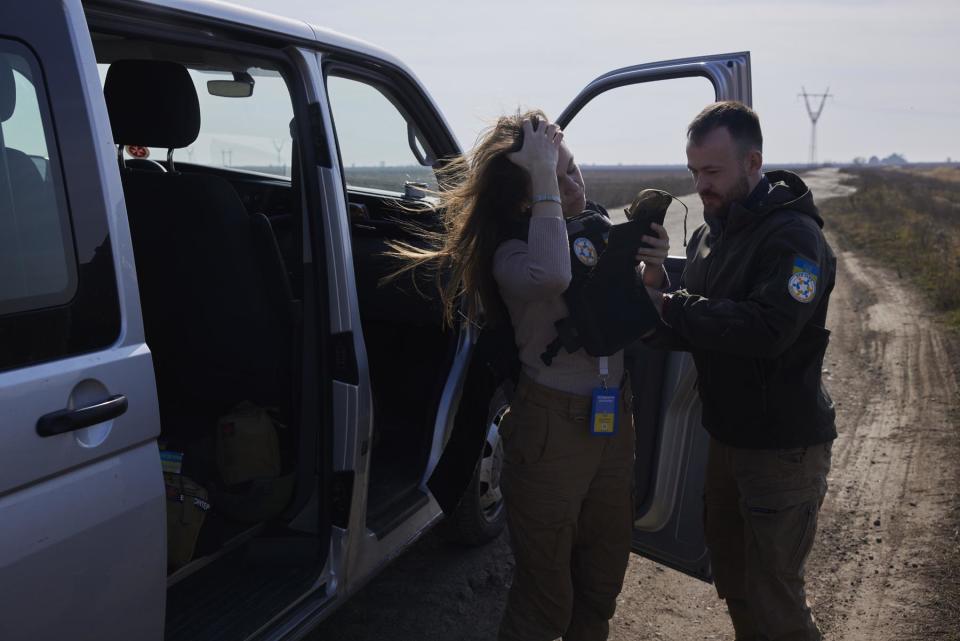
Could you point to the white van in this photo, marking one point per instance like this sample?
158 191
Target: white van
190 232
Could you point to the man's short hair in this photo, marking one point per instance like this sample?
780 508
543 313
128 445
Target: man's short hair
740 120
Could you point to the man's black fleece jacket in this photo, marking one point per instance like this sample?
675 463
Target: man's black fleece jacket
752 311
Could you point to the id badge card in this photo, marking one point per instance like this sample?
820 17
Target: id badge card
604 411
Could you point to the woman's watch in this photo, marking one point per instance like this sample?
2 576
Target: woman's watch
545 198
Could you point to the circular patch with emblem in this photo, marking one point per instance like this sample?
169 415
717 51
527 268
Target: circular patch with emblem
585 252
802 286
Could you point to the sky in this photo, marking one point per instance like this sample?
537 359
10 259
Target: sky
893 68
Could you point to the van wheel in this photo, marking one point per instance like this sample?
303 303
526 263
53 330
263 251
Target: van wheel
480 517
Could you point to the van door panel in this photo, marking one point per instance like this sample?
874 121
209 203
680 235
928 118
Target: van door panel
671 444
59 385
78 551
82 513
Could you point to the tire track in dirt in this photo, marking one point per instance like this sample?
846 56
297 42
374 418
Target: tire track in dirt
894 472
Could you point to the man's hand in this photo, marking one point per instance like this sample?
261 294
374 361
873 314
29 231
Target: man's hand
651 258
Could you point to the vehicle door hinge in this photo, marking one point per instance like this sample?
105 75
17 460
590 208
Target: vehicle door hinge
344 365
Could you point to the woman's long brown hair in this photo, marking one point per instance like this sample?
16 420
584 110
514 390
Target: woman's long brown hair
482 195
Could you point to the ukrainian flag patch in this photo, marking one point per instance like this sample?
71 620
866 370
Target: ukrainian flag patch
802 285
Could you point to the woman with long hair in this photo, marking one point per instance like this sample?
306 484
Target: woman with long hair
504 254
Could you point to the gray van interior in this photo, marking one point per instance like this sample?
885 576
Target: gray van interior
220 269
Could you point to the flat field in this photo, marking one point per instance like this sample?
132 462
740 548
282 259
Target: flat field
909 220
616 186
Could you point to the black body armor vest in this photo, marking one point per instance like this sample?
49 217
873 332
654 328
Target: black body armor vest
608 308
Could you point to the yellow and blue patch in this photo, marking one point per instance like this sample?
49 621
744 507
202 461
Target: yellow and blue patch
802 284
603 411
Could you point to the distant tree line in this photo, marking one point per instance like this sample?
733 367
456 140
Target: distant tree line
892 159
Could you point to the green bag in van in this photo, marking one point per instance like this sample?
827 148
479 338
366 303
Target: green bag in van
250 466
187 507
247 446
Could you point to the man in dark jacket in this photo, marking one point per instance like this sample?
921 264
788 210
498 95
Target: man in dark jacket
752 310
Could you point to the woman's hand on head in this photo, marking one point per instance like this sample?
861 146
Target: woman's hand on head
541 147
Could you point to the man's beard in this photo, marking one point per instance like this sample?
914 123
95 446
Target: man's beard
721 202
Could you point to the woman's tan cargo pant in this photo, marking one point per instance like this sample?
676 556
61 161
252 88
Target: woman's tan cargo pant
569 501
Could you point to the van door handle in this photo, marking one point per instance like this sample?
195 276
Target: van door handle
63 421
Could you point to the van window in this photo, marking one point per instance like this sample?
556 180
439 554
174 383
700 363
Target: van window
37 265
374 138
248 132
58 289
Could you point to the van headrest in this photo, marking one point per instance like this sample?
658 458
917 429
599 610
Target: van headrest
8 91
152 103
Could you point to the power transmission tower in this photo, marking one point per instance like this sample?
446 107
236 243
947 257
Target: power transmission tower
814 117
279 149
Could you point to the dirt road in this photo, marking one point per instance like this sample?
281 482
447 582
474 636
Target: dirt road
888 550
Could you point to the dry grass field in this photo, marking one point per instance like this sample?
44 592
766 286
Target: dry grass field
606 185
616 186
909 220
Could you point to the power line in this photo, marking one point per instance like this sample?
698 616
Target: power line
905 111
814 117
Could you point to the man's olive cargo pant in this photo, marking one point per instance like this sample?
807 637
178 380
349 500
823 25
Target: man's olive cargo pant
569 500
760 519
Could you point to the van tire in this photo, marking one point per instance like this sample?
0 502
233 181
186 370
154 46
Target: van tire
480 517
